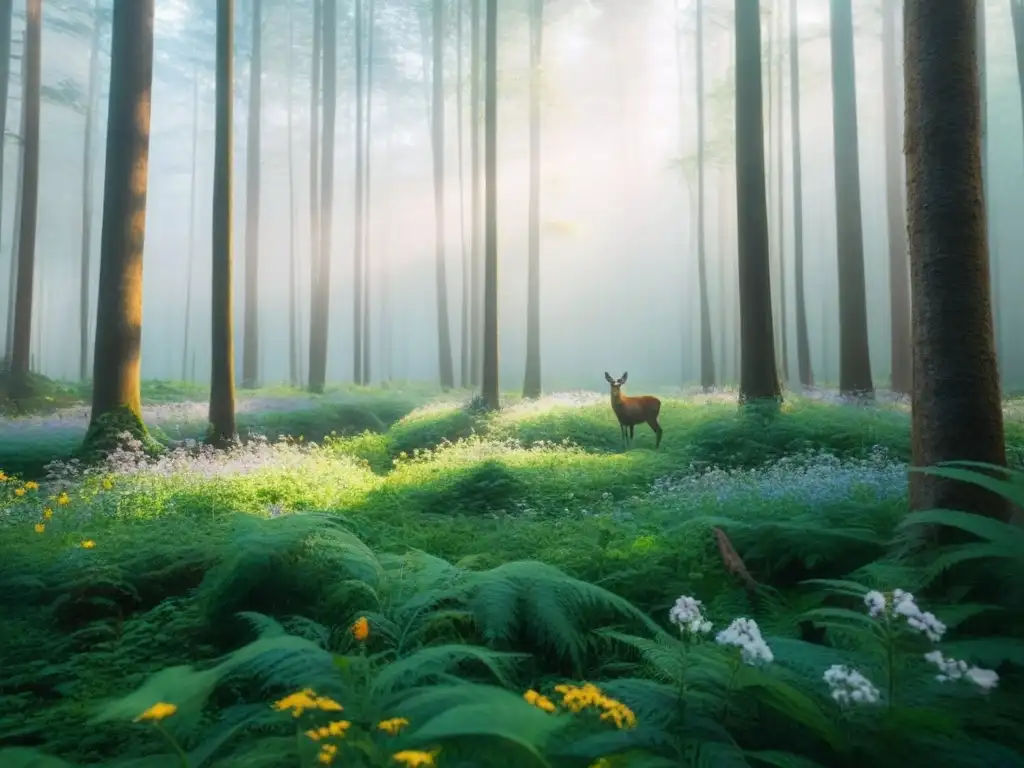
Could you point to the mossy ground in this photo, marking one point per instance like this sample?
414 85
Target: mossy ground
183 546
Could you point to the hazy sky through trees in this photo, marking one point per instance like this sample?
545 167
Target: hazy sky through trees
619 288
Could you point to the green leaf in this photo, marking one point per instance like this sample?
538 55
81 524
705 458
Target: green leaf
983 527
23 757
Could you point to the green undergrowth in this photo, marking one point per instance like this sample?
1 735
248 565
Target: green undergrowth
465 536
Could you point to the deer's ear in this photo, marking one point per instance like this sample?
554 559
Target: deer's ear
624 377
607 377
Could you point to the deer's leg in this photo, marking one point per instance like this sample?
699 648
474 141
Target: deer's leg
653 423
631 427
622 432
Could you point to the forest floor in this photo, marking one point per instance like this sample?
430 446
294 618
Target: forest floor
109 575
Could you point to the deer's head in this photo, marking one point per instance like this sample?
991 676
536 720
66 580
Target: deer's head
616 384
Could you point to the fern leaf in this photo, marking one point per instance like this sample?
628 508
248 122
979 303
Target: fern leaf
23 757
1012 489
427 664
990 529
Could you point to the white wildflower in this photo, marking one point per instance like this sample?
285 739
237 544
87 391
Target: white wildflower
849 686
955 669
686 614
746 635
903 604
875 601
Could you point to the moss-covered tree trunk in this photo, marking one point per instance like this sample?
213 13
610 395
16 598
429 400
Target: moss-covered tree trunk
854 358
490 378
222 370
957 410
116 372
759 379
21 338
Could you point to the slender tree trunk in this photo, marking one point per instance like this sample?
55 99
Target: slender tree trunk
532 381
314 187
222 370
759 379
957 409
707 352
86 245
16 223
491 378
444 338
475 242
780 192
32 68
368 207
6 14
901 355
116 376
854 358
464 361
191 221
251 329
385 274
358 240
803 344
293 266
320 325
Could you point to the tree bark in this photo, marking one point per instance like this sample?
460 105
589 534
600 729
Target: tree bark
759 379
222 371
901 355
16 223
368 208
251 329
780 192
475 243
444 338
314 204
803 344
191 222
322 309
957 409
293 267
854 358
464 358
87 190
490 379
532 379
116 393
357 241
6 15
22 335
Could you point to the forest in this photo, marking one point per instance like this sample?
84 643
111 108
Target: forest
541 383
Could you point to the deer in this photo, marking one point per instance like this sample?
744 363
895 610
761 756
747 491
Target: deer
631 411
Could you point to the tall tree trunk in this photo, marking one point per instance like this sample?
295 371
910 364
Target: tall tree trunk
803 344
957 410
314 198
464 360
901 355
532 380
759 379
444 338
475 243
222 344
854 358
357 256
368 206
32 68
490 376
251 329
6 14
116 376
16 222
87 185
293 266
780 192
191 221
707 353
320 324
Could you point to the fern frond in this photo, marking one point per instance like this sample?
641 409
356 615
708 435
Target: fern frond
428 665
24 757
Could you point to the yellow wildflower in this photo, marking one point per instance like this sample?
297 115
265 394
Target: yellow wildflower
40 527
539 701
297 702
4 477
19 491
361 629
327 704
31 485
47 513
327 754
393 725
338 728
577 698
158 712
63 500
88 544
412 758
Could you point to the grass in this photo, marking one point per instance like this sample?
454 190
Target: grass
157 564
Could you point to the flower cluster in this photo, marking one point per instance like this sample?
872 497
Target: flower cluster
746 635
954 669
687 615
850 686
577 698
903 604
